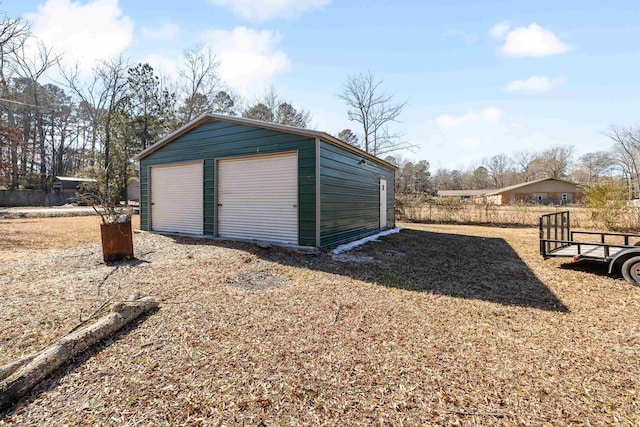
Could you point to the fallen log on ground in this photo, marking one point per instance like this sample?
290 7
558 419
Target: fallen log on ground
19 377
10 368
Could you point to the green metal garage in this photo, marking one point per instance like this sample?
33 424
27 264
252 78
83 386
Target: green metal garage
244 179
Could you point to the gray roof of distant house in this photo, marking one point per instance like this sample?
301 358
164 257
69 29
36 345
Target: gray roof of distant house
479 193
524 184
461 193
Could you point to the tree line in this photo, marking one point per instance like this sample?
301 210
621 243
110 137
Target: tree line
92 125
620 163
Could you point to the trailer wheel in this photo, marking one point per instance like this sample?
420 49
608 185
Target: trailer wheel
631 270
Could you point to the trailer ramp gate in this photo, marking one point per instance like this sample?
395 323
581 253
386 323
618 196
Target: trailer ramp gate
555 233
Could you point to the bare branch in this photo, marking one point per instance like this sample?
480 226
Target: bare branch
375 111
198 77
627 152
13 35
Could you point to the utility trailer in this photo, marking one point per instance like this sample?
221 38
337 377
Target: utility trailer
620 250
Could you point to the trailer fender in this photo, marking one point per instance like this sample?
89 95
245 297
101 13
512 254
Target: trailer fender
616 263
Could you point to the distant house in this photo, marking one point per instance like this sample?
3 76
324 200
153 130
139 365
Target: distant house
546 191
462 195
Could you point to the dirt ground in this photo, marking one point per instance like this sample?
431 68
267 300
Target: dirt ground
435 325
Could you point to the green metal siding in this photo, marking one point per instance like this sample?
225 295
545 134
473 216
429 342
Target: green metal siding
350 196
216 140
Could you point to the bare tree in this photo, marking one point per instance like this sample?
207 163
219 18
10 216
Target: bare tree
498 167
199 82
270 99
626 152
592 166
376 112
113 75
13 34
271 108
102 97
522 161
445 179
557 160
63 131
31 69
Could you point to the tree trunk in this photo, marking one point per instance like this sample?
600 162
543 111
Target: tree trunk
107 152
13 144
18 378
59 154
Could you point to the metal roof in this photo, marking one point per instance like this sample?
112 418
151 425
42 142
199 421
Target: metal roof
211 117
524 184
477 193
73 178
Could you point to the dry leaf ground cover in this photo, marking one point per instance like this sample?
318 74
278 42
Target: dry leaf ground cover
436 325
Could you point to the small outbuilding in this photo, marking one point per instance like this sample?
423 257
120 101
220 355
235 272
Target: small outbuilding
133 190
66 189
69 183
546 191
237 178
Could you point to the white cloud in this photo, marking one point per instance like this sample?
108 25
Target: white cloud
500 29
248 58
82 33
167 31
489 114
532 40
269 9
534 84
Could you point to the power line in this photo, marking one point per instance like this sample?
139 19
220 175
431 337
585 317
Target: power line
22 103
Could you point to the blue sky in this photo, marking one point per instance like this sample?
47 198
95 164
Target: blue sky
480 77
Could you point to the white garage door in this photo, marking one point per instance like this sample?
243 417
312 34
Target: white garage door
258 198
176 198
